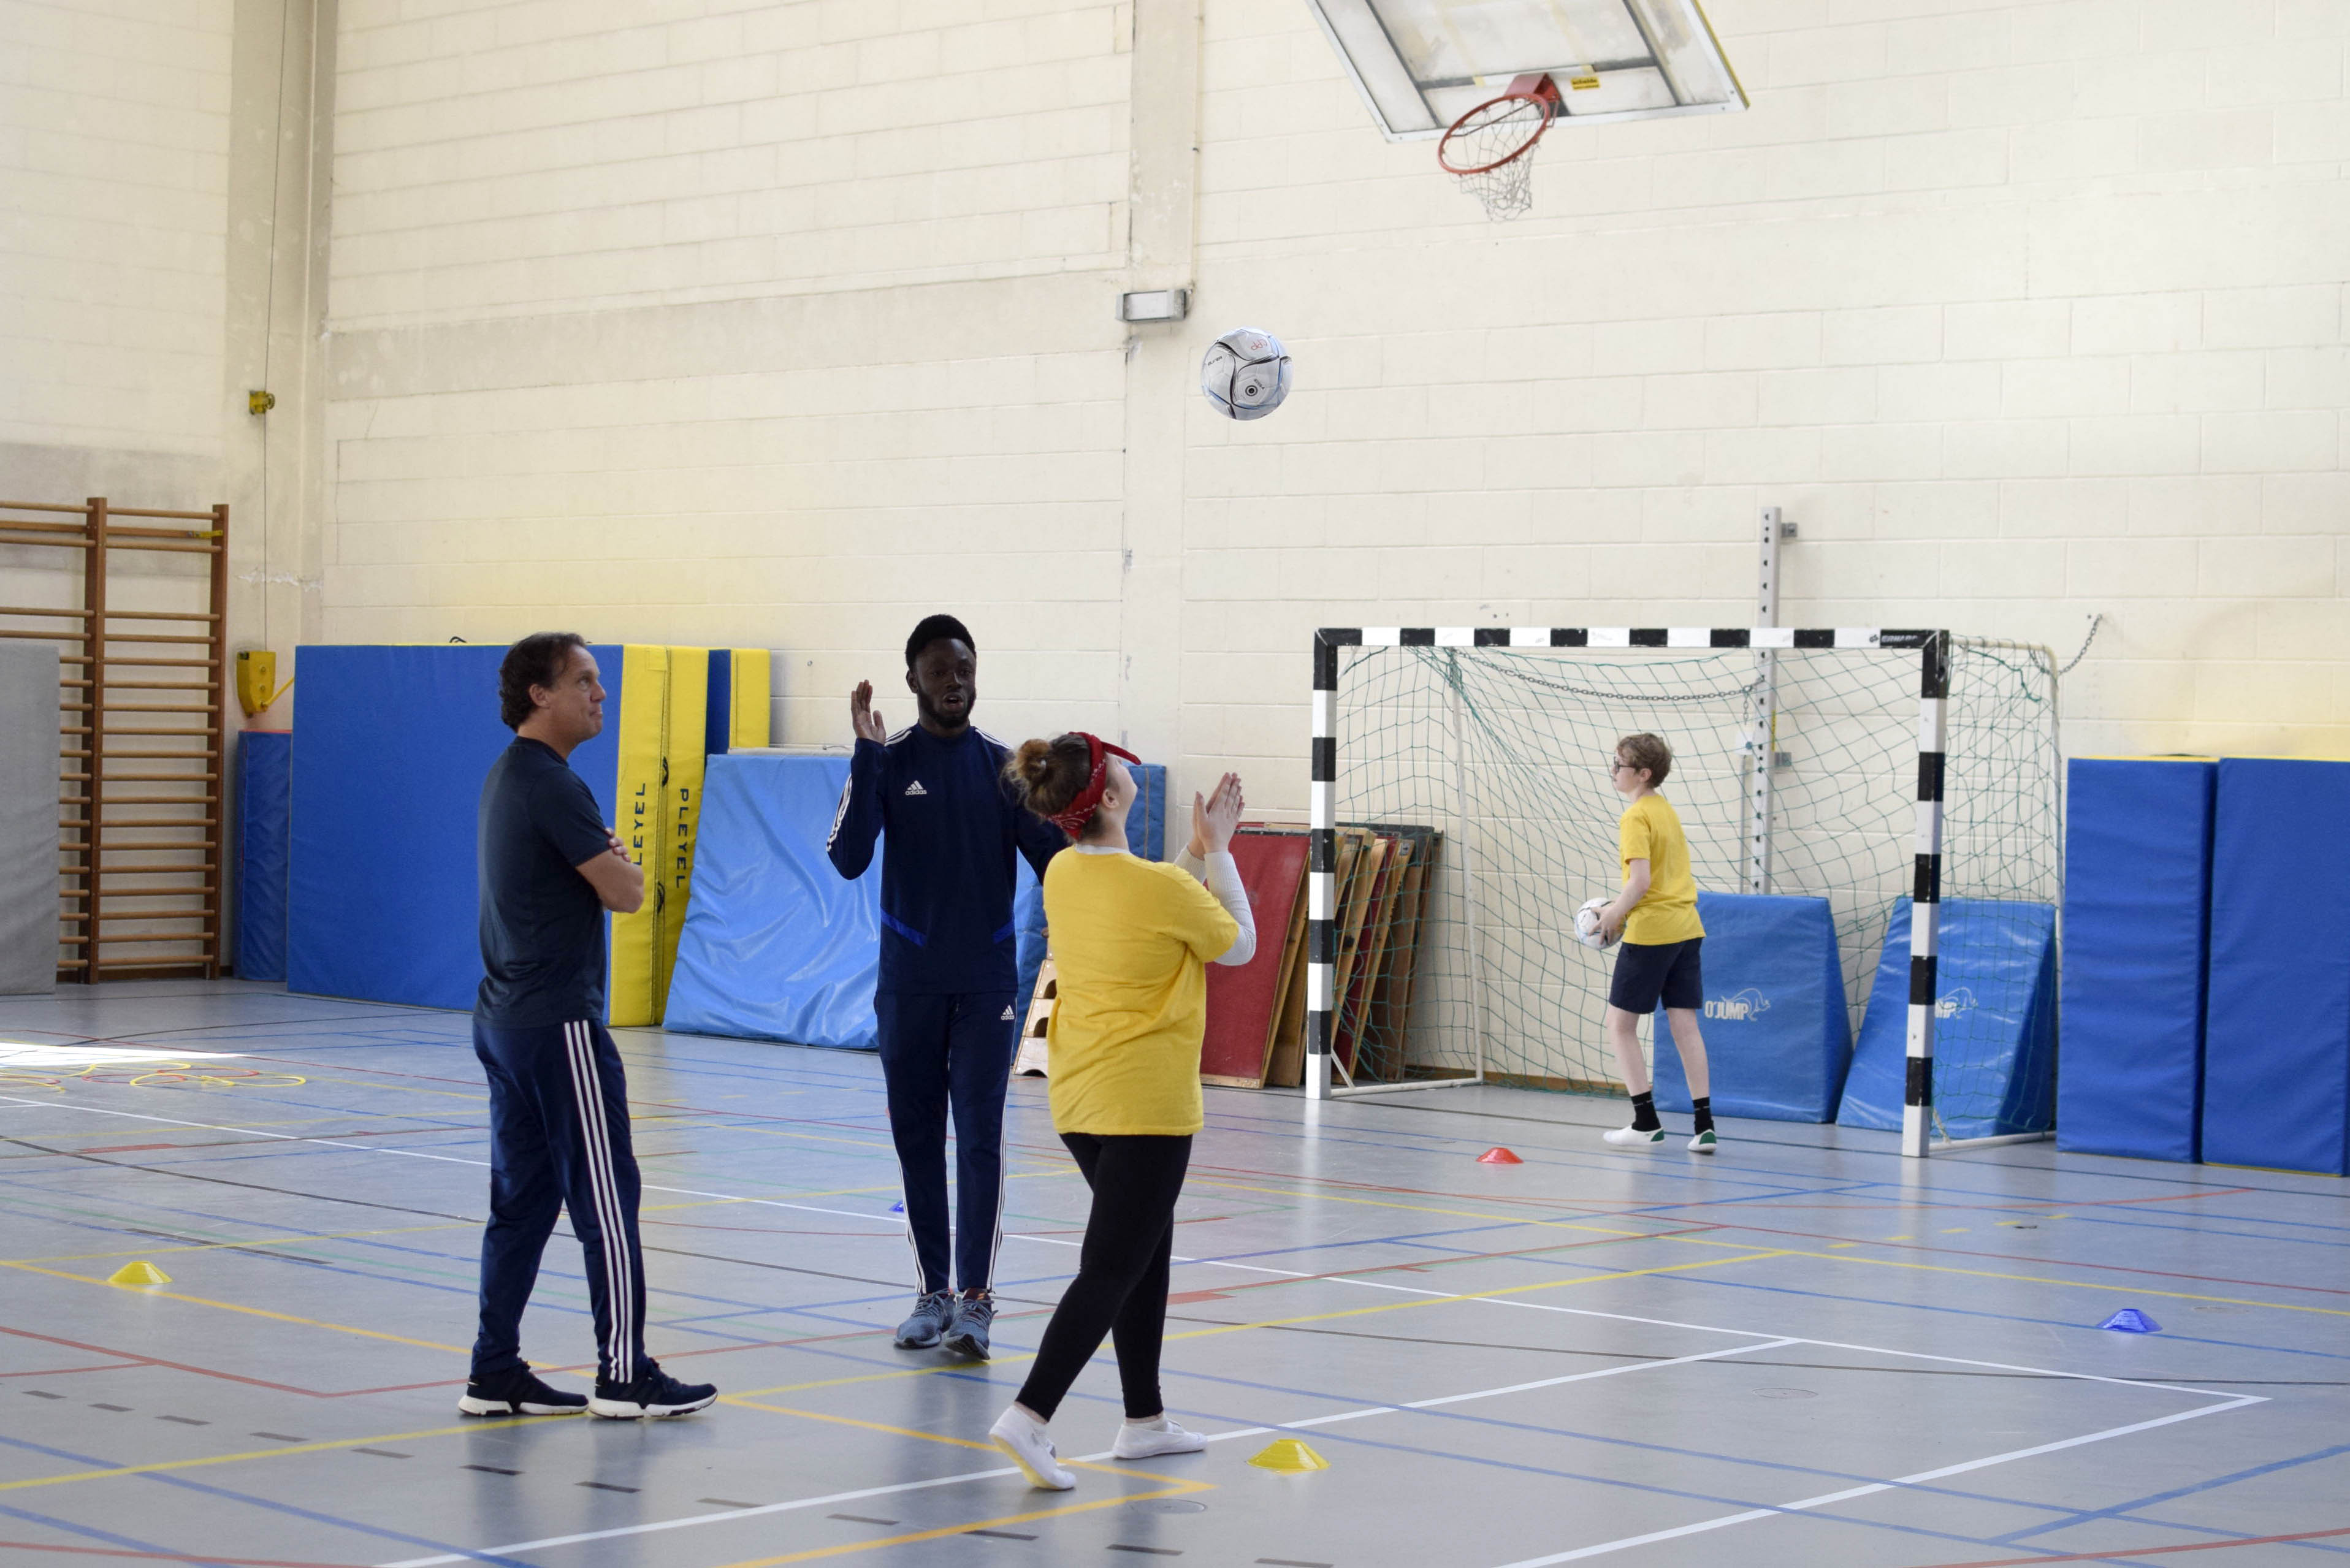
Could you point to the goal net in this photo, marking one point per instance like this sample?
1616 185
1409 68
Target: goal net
1504 750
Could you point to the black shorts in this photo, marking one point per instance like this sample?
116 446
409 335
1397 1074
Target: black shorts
1666 973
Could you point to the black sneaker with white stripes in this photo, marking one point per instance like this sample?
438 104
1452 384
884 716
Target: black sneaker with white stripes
654 1394
517 1393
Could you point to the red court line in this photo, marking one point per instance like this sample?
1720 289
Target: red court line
168 1556
64 1371
138 1360
2147 1551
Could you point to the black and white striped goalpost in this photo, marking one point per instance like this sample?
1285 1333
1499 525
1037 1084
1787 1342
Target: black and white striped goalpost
1933 648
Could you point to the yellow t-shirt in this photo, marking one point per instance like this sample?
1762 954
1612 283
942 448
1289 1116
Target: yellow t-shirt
1131 942
1650 830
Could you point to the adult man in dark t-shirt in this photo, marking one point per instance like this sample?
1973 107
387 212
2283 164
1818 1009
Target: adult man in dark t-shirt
558 1102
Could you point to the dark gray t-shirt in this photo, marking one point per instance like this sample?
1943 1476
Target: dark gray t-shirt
542 924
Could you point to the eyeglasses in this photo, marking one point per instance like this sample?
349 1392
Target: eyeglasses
1622 768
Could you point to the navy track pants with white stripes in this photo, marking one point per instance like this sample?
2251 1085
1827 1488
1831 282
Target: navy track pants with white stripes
559 1140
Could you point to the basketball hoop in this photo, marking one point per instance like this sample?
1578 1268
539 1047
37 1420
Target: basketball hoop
1486 148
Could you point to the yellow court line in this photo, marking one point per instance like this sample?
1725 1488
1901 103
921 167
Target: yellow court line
247 1311
1288 1322
751 1404
943 1530
320 1448
1687 1240
2107 1286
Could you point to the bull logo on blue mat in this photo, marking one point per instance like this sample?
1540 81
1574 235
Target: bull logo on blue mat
1956 1004
1739 1007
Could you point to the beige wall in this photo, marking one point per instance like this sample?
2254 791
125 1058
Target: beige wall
785 324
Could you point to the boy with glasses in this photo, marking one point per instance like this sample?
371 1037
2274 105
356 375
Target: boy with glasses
1656 914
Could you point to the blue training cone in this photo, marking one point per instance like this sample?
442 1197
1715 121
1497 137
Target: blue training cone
898 1206
2129 1320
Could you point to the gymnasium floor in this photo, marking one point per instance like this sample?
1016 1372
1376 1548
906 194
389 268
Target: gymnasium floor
1806 1351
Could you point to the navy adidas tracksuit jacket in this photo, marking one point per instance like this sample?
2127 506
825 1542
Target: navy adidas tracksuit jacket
949 1020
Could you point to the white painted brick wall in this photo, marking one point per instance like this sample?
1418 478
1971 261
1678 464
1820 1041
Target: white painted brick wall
2024 311
510 159
114 130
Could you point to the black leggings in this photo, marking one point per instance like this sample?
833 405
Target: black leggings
1121 1284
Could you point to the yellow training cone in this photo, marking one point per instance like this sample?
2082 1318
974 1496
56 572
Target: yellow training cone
1291 1458
139 1274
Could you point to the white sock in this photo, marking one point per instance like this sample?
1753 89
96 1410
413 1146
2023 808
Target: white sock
1156 1424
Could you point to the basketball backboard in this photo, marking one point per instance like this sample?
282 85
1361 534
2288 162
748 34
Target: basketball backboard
1421 64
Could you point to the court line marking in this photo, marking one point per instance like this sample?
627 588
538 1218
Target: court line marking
1687 1238
233 1306
2151 1550
1090 1460
323 1447
1823 1500
1330 1197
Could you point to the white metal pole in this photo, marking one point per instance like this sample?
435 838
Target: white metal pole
1467 866
1762 721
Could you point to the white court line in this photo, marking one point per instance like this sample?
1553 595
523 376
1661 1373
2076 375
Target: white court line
628 1530
701 1519
1626 1542
894 1227
2228 1403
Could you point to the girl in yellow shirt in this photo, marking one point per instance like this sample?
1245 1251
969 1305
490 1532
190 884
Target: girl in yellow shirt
1131 940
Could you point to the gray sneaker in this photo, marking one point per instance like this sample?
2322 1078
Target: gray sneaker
932 1314
974 1314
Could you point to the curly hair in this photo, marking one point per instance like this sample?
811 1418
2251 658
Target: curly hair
537 661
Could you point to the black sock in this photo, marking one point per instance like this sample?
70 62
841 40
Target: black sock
1644 1112
1702 1108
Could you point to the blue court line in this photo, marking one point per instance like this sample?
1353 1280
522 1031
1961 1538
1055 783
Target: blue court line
1337 1434
2085 1515
1695 1279
262 1502
92 1532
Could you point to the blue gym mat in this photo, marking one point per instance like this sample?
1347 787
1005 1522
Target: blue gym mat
777 946
2137 886
1777 1036
2276 1054
390 751
1995 1034
265 760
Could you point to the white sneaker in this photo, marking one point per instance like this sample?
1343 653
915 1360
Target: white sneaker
1021 1436
1623 1136
1149 1440
1702 1143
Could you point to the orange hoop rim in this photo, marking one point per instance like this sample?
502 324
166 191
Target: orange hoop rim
1540 90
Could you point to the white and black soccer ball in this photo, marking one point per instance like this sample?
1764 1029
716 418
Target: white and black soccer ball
1586 925
1245 374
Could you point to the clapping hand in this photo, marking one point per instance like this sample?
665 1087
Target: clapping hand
863 719
1215 816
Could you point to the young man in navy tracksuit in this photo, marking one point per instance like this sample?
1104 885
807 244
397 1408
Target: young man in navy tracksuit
559 1103
945 1004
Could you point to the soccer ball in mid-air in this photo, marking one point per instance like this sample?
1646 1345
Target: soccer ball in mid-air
1245 373
1587 924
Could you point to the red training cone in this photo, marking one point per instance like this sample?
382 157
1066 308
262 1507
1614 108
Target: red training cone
1498 1155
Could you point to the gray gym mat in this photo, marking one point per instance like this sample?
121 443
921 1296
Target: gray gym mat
29 817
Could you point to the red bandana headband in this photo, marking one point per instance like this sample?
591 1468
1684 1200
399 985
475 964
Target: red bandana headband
1072 821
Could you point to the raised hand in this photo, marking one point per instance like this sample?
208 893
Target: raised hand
1215 816
862 717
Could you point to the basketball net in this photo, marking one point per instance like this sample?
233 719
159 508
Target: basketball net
1487 150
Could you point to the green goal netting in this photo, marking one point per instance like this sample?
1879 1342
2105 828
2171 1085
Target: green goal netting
1505 752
